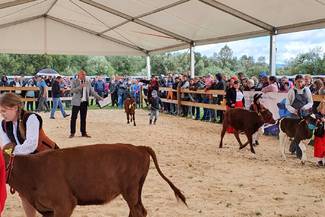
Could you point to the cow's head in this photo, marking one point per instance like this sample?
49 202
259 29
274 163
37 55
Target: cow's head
311 121
267 116
132 105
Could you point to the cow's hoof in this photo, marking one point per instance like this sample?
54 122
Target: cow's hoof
134 124
303 162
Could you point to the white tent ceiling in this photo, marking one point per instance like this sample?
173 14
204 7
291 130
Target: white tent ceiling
139 27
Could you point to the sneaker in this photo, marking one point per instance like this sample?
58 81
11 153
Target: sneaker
66 115
52 117
320 163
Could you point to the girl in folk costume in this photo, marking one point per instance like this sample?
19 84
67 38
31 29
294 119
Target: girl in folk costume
256 106
22 132
319 140
234 98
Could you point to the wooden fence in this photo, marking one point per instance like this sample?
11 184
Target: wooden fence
178 101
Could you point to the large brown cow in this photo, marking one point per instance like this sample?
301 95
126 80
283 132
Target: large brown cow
54 182
129 107
245 121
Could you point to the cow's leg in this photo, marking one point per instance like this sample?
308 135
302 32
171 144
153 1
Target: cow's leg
250 141
282 142
257 135
140 205
134 119
302 146
127 117
236 133
223 132
131 198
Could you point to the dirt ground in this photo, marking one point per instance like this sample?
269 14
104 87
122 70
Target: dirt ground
217 182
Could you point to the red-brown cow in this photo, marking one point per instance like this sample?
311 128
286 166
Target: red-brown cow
245 121
129 107
54 182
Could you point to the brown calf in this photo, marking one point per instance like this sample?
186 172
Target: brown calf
129 107
245 121
54 182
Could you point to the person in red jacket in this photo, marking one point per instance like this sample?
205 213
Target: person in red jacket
3 192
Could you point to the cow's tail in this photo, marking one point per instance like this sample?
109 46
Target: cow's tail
178 193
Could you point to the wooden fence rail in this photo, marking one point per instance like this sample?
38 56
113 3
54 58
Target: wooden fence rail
178 101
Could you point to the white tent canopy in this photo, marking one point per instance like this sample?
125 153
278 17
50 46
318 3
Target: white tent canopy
140 27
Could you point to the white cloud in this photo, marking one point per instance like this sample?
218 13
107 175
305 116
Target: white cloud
288 45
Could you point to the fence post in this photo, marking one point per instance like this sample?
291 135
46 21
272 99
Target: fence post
141 97
179 100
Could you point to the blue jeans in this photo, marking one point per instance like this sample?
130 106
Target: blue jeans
120 101
57 102
206 112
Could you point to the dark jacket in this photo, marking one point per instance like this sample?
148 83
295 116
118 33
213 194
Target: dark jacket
56 93
156 103
231 95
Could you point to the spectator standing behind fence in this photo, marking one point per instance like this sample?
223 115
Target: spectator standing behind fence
56 94
100 86
272 87
235 99
299 102
121 93
42 98
113 90
220 85
135 91
309 82
263 81
4 81
155 106
30 94
184 84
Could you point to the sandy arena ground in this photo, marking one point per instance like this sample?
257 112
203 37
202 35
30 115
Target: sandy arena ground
217 182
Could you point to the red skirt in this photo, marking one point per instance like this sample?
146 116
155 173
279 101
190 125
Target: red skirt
238 104
3 190
319 146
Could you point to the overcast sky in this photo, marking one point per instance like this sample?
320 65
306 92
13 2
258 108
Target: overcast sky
288 45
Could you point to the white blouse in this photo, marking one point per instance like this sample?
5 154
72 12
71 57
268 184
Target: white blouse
239 96
31 141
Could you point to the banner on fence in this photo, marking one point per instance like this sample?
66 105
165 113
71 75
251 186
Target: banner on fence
270 100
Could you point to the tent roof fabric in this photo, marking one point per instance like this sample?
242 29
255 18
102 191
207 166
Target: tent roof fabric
140 27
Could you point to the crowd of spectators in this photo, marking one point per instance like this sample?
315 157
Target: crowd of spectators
121 87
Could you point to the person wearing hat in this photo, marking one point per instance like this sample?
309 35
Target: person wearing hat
263 81
234 99
256 106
